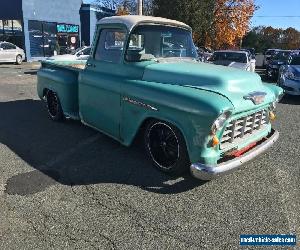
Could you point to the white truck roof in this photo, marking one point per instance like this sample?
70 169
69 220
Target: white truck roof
133 20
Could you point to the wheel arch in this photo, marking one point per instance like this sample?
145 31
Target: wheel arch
140 127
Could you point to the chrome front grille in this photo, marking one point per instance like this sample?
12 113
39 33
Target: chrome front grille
243 127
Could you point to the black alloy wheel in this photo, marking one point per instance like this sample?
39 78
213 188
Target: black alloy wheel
166 147
53 105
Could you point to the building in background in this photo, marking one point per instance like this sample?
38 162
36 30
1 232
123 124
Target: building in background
89 15
11 22
45 28
41 27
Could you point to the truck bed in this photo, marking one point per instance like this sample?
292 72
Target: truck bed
61 77
72 65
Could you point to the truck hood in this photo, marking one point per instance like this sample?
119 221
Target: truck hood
231 83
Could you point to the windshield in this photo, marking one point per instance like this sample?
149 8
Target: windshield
153 42
295 61
230 56
270 52
281 56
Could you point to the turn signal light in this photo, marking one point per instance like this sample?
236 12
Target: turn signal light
272 116
215 141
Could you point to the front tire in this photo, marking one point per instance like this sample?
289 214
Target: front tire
54 108
165 146
19 59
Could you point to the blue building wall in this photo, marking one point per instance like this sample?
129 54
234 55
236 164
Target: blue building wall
59 11
90 15
11 9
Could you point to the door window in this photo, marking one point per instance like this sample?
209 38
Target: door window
110 45
7 46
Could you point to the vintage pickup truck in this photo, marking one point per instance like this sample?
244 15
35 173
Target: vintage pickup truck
143 77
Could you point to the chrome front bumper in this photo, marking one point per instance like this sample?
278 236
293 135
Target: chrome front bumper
205 172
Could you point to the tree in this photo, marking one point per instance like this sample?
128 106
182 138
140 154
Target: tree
126 6
290 39
197 14
262 38
231 22
216 23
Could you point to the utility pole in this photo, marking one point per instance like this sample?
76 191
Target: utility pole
140 7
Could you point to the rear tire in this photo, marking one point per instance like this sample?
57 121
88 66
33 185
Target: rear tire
166 147
54 108
19 59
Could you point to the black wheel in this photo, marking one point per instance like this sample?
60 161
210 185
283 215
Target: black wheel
166 147
53 105
19 59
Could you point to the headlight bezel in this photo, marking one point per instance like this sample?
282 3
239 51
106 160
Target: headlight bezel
219 122
279 97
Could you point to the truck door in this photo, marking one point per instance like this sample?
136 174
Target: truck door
100 83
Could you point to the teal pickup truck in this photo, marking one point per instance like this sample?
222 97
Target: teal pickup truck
143 77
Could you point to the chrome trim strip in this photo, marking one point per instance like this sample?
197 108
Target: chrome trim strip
140 104
206 172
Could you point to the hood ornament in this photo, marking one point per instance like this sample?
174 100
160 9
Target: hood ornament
256 97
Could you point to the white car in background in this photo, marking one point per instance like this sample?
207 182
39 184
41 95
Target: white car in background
81 53
234 59
11 53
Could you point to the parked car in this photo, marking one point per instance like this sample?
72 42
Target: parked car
11 53
267 56
206 53
280 58
289 76
81 53
252 57
198 116
250 50
232 58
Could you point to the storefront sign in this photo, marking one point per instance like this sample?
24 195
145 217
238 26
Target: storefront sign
67 28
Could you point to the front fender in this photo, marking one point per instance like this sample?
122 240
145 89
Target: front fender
192 111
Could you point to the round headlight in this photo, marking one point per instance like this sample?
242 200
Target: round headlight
220 121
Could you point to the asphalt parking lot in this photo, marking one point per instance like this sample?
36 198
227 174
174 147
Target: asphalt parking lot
65 186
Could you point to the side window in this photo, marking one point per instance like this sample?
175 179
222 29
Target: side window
8 46
110 45
4 46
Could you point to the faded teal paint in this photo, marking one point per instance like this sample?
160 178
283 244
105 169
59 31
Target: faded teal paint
64 81
229 82
189 95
